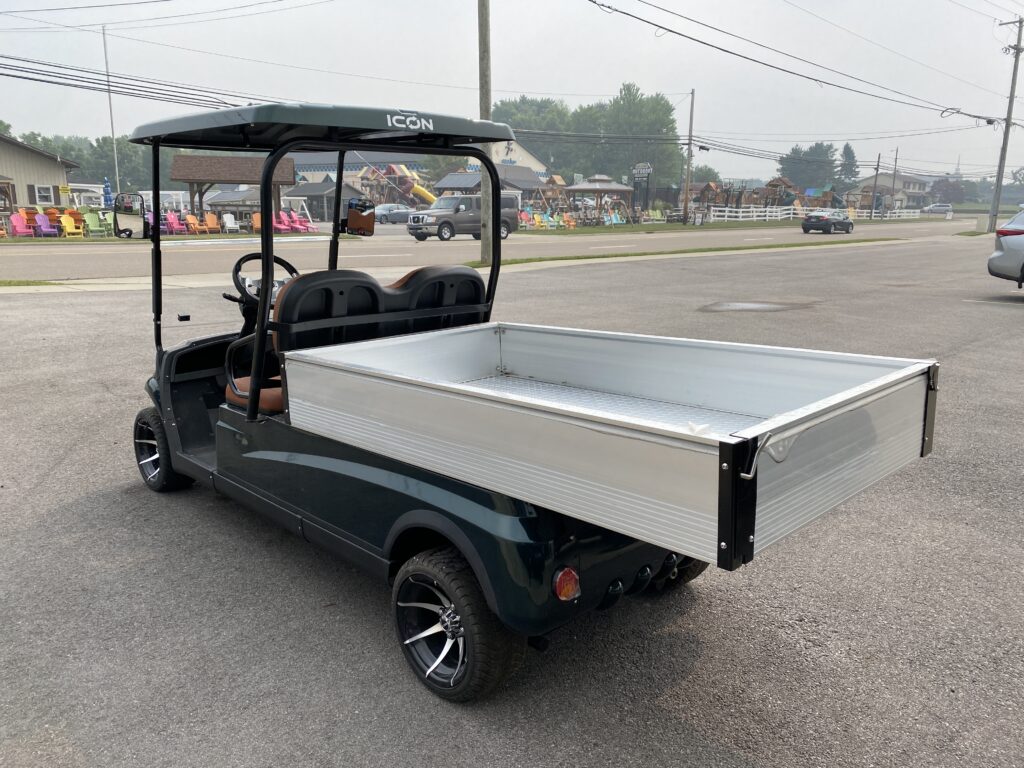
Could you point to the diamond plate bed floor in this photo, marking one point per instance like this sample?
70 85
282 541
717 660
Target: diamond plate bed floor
655 413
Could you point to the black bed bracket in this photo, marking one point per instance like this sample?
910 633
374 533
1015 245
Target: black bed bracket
737 502
928 439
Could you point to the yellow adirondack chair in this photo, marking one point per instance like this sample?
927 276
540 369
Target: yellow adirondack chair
194 227
70 228
212 224
538 222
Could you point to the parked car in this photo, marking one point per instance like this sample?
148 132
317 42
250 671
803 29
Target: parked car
937 208
1007 262
460 215
827 221
392 213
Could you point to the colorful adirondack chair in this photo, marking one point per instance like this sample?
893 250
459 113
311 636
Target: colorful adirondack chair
44 228
212 225
3 229
229 223
20 227
570 220
539 222
283 224
304 224
75 215
93 226
174 226
257 221
194 227
53 214
70 228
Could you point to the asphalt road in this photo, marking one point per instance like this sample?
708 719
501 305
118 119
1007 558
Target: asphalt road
139 629
59 261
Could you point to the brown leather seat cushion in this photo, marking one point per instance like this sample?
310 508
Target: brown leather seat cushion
271 395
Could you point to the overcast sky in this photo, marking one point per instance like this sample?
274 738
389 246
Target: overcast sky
545 47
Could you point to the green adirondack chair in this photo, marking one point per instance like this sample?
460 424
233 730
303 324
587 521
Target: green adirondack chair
97 227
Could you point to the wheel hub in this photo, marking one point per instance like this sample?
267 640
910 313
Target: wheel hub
451 623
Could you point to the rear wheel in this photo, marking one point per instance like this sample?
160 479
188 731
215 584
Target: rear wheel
419 236
454 643
476 237
153 454
504 230
686 571
445 232
806 230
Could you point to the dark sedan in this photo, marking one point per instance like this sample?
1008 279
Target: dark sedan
827 222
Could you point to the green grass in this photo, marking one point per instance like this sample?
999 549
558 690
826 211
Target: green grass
978 208
163 239
14 283
971 233
649 229
676 251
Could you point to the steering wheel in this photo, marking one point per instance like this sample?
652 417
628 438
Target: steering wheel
242 287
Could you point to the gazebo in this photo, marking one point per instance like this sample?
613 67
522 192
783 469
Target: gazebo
601 187
202 172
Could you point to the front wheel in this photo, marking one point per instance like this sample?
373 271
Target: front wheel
445 232
454 643
504 231
153 454
420 237
849 229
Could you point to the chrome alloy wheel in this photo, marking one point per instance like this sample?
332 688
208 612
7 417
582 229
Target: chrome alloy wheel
147 450
431 629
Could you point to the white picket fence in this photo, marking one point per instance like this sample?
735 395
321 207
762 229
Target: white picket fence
780 213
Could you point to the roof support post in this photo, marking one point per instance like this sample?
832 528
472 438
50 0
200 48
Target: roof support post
157 265
332 253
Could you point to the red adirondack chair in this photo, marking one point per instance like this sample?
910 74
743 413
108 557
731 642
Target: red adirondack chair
174 226
303 224
281 223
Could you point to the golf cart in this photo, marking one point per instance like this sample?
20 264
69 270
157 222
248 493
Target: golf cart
502 478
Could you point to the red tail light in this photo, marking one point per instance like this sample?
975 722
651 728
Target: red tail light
566 584
1009 232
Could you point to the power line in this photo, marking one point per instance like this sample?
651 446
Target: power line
83 7
973 10
690 19
301 68
1000 7
944 112
891 50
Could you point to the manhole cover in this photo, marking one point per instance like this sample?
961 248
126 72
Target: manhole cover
754 306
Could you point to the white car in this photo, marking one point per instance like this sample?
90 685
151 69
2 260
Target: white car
1007 261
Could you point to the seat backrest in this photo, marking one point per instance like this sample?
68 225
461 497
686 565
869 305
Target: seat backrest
228 219
433 288
43 221
326 295
211 220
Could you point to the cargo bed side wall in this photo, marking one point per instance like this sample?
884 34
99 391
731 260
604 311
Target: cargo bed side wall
759 381
835 459
658 490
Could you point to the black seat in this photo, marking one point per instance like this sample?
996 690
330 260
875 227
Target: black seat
434 288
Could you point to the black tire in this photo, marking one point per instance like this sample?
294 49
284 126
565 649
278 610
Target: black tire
436 588
476 237
152 453
686 571
420 236
827 229
503 230
806 230
445 231
849 228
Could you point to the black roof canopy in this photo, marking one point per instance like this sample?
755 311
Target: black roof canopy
263 127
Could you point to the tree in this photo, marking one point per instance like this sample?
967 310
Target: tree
537 115
948 191
5 128
811 167
848 173
705 173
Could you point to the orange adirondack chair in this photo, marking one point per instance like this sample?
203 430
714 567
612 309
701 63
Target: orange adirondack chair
53 215
212 224
194 227
70 228
257 221
3 229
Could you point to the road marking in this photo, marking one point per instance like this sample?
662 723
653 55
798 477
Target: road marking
598 247
1000 303
753 239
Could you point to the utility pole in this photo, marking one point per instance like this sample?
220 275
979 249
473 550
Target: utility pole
487 234
689 164
110 108
874 188
895 162
993 212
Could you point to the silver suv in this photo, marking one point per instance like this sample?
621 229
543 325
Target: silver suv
460 215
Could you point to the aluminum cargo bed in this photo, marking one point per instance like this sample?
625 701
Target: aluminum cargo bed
656 438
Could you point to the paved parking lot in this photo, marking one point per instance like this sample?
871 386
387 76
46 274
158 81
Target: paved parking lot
181 630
